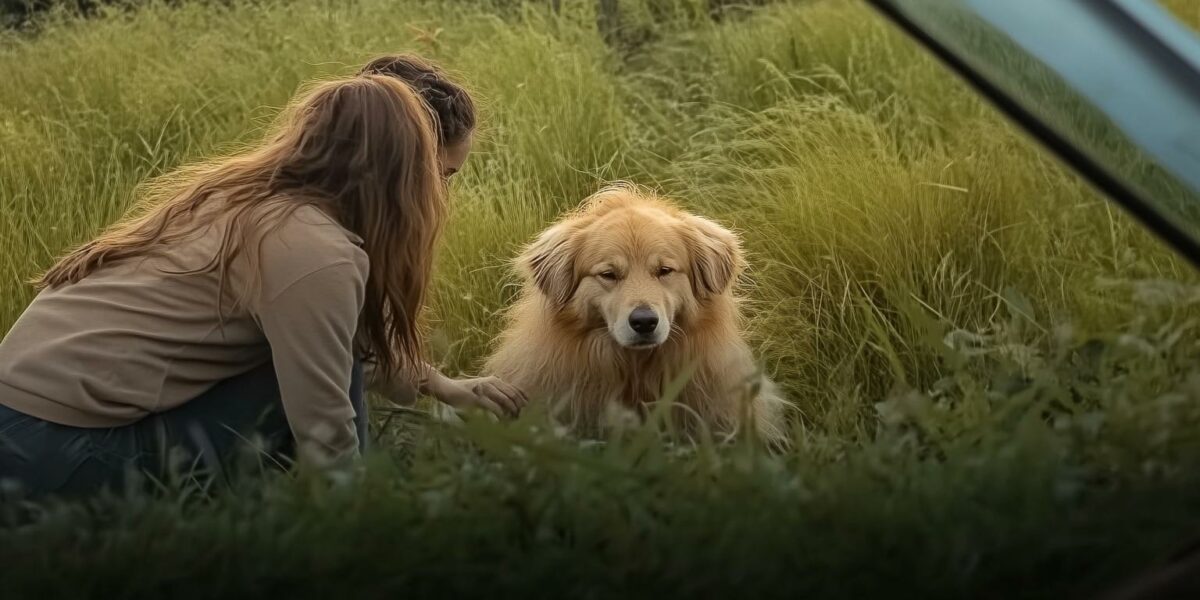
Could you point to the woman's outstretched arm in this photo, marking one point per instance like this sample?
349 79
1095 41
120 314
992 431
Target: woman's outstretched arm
489 393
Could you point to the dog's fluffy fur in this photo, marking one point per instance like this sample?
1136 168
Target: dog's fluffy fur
570 339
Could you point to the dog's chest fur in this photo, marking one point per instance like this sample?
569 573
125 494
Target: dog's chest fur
631 379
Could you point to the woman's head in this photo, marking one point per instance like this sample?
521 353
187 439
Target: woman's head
452 103
364 149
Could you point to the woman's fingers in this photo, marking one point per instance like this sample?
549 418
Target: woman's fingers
514 394
488 404
493 393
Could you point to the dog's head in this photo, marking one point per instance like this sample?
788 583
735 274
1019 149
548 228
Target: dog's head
633 263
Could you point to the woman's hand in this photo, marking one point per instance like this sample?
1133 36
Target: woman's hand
490 393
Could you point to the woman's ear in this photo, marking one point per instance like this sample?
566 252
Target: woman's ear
550 262
716 256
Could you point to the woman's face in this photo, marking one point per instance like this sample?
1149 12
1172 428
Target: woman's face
454 157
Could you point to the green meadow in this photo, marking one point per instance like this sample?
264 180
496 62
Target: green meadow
993 368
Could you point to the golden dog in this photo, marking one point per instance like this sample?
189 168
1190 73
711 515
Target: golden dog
623 298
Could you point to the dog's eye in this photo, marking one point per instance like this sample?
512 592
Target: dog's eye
607 275
664 271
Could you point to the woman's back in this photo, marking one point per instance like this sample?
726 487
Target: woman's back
137 337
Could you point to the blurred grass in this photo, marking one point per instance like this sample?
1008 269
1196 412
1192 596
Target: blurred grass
994 369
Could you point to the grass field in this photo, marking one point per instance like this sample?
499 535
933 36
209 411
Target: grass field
995 370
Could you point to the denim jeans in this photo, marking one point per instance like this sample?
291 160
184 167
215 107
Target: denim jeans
203 435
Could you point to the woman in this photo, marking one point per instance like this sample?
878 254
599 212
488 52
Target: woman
240 300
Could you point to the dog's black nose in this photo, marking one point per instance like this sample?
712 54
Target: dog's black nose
643 319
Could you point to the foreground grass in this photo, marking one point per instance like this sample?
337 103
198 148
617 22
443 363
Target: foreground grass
994 370
528 515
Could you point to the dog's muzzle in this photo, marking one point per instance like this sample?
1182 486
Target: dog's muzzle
644 328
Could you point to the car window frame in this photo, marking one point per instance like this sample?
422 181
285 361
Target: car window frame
1160 44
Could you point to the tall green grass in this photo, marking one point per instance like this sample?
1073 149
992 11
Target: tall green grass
993 368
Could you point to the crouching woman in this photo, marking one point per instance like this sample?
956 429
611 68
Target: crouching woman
244 296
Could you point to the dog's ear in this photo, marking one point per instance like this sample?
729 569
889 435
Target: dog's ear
550 262
716 256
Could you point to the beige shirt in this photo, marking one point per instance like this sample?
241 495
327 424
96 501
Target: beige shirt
132 339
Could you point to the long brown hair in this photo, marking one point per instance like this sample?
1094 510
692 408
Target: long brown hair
363 149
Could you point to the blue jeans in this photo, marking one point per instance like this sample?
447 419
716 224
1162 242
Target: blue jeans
48 458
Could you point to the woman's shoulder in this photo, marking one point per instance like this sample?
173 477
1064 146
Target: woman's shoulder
307 230
296 241
308 219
